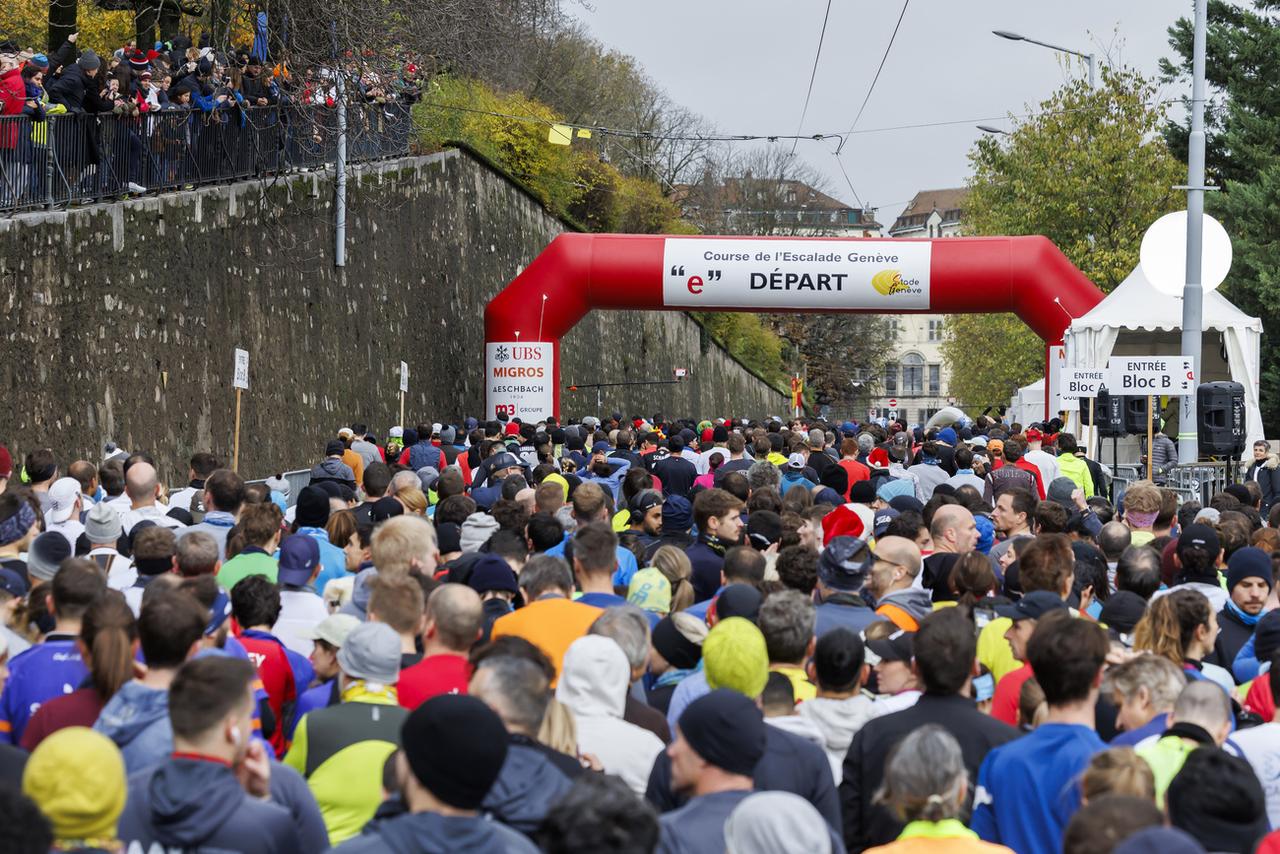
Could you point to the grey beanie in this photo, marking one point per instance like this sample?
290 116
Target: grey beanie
102 525
89 61
776 823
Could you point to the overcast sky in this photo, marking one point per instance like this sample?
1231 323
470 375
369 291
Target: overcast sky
745 65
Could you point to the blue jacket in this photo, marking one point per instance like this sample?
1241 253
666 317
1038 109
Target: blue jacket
137 720
427 833
1029 788
527 787
426 454
196 804
707 563
47 670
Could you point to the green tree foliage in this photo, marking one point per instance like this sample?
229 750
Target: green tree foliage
748 341
1090 171
1243 65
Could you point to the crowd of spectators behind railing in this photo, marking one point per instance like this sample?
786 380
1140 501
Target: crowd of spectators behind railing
76 125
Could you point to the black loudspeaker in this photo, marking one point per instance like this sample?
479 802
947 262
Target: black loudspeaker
1220 418
1108 411
1135 415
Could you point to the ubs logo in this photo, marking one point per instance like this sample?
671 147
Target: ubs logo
502 354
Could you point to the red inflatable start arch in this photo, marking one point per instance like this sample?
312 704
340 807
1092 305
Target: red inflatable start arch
579 272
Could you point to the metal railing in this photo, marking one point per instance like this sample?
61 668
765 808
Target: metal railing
77 158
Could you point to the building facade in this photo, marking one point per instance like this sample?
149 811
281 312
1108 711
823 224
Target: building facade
918 381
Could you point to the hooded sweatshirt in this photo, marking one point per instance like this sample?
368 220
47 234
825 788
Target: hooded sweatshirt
137 720
905 608
593 684
838 721
193 803
428 833
527 787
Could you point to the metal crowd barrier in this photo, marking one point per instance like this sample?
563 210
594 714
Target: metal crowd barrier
1198 482
77 158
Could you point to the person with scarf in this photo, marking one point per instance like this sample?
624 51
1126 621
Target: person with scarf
1248 586
718 517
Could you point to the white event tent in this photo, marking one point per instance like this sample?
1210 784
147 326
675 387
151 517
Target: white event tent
1136 319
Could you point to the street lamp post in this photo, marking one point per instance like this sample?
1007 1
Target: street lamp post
1091 58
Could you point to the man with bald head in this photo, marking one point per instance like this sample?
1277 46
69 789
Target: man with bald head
954 532
454 618
142 488
893 583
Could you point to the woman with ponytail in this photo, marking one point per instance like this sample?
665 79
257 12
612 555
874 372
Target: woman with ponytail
927 786
108 643
1182 627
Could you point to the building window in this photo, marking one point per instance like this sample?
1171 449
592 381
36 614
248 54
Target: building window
935 330
924 416
935 379
912 374
891 380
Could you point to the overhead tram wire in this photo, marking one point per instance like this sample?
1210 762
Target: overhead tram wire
822 35
758 137
893 36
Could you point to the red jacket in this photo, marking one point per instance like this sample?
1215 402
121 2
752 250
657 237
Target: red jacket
1035 471
13 92
269 657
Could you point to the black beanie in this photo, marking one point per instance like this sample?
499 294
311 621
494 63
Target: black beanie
313 507
680 652
720 434
1218 800
455 746
450 536
726 730
837 478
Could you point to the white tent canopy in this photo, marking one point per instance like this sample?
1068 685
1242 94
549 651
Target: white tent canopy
1136 319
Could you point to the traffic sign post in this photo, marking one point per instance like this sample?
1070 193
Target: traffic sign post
404 387
240 379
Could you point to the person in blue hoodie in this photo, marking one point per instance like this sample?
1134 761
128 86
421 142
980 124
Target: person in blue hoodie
54 667
170 629
214 791
454 748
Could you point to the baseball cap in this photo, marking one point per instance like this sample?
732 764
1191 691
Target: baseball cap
62 499
219 613
883 518
371 652
896 647
839 565
12 583
504 461
298 559
333 629
642 502
1199 537
600 448
1032 606
796 461
1034 435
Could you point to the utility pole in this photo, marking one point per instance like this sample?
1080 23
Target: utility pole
1193 293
